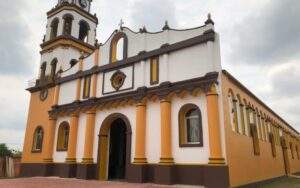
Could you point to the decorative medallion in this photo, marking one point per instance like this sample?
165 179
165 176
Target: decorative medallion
117 80
43 94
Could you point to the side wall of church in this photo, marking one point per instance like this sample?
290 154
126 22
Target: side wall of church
244 166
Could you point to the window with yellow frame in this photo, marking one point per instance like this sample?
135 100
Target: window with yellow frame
63 136
190 126
38 139
86 87
154 70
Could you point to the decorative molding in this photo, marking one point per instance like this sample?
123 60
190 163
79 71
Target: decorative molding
67 40
161 91
117 80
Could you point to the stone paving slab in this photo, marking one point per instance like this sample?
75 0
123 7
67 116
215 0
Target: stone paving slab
54 182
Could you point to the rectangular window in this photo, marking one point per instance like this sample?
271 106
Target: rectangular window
154 70
86 87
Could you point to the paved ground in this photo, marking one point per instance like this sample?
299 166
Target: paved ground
291 182
73 183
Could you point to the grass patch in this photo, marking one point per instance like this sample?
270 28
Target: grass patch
288 182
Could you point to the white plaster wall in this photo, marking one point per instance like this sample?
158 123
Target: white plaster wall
80 137
153 132
138 42
63 55
129 112
192 155
88 62
99 85
59 156
67 93
188 63
70 71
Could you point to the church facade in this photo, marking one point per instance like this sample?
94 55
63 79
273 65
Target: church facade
147 107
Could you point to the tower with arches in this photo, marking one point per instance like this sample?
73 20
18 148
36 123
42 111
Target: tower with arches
70 34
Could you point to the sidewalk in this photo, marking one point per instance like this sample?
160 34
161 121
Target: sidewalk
54 182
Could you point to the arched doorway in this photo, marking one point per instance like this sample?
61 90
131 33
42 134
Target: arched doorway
114 147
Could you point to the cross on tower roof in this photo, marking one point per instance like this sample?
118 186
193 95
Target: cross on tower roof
121 23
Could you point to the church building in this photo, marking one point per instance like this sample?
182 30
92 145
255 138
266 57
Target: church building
147 107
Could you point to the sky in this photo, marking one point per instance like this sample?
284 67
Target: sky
260 46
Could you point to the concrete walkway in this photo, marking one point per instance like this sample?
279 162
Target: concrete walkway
54 182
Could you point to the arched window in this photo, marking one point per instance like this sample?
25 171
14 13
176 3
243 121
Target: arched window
118 48
73 62
54 28
83 31
53 68
43 71
38 139
246 118
68 19
233 111
63 136
190 126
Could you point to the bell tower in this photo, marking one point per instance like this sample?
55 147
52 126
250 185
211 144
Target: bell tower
70 34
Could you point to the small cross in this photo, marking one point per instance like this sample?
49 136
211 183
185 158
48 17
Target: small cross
121 24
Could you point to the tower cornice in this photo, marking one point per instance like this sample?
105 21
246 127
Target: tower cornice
67 40
73 7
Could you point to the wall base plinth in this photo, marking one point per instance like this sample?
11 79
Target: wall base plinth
205 175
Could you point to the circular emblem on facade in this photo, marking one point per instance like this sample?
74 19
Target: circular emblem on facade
117 80
43 94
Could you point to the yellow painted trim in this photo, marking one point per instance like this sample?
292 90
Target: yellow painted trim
166 139
89 137
49 140
216 156
72 145
66 43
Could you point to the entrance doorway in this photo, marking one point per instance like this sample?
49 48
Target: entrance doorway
114 153
117 150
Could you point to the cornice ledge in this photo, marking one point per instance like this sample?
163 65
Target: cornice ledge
162 91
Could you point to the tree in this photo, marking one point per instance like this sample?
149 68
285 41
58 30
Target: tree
4 151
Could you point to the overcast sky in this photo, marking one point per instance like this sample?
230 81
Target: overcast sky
260 45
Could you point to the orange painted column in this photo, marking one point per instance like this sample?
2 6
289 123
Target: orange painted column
49 141
50 130
140 143
166 139
89 137
216 156
72 144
